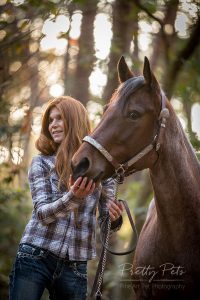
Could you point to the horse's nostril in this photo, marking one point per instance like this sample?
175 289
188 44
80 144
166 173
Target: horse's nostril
81 168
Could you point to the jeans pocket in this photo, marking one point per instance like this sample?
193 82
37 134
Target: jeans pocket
28 251
80 269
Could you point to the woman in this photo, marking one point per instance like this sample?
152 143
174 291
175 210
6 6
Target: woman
59 239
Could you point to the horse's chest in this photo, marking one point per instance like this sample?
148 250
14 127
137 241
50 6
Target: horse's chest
160 263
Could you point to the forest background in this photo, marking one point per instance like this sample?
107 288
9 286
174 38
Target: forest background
51 48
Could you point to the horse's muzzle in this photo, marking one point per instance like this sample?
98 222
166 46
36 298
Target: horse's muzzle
80 170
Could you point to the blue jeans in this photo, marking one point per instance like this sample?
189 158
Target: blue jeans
36 269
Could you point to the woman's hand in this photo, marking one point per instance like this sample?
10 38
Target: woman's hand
81 188
115 209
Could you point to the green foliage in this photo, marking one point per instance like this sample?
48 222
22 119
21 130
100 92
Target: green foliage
14 211
129 192
41 6
195 141
188 89
198 155
151 6
188 85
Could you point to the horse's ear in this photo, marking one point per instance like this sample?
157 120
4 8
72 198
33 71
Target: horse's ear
124 73
148 75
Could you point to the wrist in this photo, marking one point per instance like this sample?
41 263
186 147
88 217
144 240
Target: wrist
71 190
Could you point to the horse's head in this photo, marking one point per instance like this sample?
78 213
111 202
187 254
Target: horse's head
130 123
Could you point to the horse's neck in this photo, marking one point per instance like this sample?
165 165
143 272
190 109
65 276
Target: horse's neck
176 178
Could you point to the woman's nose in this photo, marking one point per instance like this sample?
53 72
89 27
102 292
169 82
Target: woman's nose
54 123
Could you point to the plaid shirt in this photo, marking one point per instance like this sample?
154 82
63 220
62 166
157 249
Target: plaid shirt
53 225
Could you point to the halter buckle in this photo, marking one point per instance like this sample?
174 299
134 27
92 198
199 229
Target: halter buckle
120 174
120 170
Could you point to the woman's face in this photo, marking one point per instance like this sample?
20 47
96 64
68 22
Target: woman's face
56 125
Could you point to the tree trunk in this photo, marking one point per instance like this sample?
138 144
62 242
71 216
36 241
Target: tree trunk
135 55
66 71
124 16
85 59
163 41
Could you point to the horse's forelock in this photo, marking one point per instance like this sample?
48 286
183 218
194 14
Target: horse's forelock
127 88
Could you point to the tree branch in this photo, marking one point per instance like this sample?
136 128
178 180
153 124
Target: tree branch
142 7
181 58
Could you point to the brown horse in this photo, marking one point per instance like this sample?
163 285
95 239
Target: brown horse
167 258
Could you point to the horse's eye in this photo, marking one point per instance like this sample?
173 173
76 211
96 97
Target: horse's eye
134 115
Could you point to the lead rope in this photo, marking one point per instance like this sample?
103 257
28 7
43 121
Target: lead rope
103 258
98 293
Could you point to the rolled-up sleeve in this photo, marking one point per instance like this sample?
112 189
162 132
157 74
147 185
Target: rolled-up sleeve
108 193
48 206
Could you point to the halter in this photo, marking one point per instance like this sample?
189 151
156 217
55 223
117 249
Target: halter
121 169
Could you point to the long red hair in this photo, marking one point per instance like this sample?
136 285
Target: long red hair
76 126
